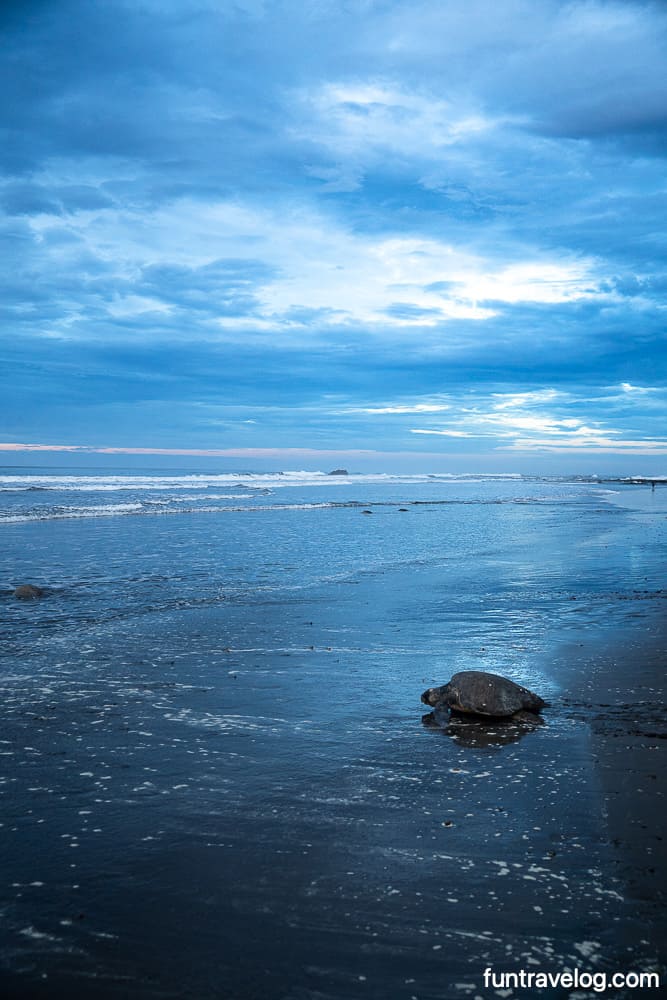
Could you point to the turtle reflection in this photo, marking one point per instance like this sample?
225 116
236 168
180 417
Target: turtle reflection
480 731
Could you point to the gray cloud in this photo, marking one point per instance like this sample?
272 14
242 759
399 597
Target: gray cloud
273 197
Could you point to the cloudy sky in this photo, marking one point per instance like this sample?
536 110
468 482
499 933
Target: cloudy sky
424 235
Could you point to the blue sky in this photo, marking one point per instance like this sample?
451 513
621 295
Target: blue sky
400 236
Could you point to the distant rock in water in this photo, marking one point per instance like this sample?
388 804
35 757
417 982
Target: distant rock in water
339 472
28 592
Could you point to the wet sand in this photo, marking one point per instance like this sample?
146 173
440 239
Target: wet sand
252 807
618 682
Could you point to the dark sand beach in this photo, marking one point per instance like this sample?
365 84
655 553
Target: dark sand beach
239 798
616 684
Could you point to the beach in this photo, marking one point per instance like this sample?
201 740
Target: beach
216 778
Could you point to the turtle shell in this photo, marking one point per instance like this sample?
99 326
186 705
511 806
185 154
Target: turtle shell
479 693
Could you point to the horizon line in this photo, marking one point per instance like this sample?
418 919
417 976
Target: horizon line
550 449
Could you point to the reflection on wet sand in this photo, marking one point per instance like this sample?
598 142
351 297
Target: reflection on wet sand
478 731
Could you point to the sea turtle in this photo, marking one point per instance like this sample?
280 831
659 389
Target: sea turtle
28 592
475 692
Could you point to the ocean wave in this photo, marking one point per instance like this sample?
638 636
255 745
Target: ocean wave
189 497
151 510
168 507
112 484
106 508
247 481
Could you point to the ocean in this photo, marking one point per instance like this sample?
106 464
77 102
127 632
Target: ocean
215 776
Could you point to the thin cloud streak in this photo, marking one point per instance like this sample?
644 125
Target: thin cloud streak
590 445
451 433
415 408
200 452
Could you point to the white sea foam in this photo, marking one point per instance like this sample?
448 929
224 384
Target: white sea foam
249 481
189 497
66 512
107 508
139 509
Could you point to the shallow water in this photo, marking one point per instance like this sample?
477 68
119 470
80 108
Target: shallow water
215 776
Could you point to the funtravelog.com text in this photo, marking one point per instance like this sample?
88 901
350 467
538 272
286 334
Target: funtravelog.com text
599 982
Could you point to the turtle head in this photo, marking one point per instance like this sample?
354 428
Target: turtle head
434 696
